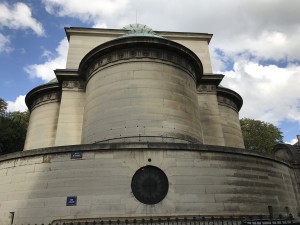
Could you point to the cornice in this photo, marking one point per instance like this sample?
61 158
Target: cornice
66 74
209 83
211 78
141 48
229 98
149 146
141 55
69 79
73 84
119 32
43 94
93 32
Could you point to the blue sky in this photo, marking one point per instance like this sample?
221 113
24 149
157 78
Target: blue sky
255 44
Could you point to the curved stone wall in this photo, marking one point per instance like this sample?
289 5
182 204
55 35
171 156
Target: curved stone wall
42 126
141 101
43 103
203 180
229 104
231 127
141 89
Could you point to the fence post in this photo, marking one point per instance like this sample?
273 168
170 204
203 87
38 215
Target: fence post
270 209
231 219
222 220
203 219
291 217
194 220
280 218
251 220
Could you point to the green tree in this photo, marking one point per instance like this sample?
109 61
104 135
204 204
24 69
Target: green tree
260 136
13 128
3 107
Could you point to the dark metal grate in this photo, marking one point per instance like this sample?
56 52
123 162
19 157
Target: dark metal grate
189 220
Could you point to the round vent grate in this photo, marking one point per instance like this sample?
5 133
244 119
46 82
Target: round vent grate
149 185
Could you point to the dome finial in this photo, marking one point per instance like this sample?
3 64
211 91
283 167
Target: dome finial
139 30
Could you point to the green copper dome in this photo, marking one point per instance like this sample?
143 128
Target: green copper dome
54 80
139 30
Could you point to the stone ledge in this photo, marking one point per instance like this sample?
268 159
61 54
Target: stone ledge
142 146
122 48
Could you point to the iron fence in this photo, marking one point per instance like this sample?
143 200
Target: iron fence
192 220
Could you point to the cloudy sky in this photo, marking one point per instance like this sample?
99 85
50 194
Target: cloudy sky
255 44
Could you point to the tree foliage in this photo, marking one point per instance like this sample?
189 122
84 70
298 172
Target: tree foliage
260 136
3 107
13 128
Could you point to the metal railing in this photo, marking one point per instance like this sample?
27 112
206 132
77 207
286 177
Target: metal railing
190 220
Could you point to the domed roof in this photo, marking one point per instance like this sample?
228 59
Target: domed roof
139 30
54 80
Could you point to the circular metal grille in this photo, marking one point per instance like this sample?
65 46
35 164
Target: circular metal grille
149 185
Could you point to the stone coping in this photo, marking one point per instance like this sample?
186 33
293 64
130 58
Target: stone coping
149 47
40 92
118 32
230 94
140 146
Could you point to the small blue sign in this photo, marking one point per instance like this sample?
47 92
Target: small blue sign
71 200
76 155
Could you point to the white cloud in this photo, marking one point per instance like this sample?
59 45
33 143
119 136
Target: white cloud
268 44
17 105
95 12
271 93
292 142
4 44
266 29
44 71
19 16
100 25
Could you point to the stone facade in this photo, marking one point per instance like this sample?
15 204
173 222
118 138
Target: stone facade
138 88
129 102
202 180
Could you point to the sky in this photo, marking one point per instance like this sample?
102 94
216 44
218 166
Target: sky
255 45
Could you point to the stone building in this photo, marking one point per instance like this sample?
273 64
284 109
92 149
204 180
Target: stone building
138 126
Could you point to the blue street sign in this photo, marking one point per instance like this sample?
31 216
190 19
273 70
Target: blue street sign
71 200
76 155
